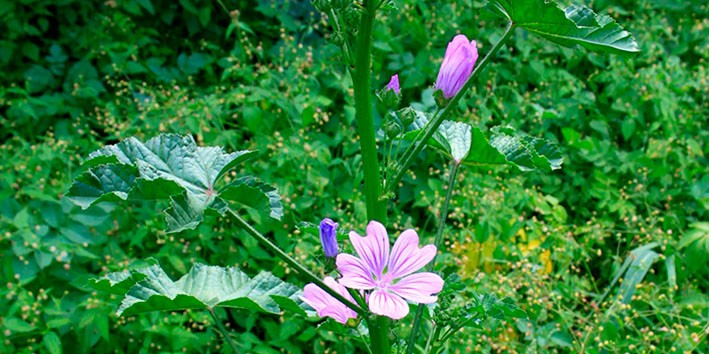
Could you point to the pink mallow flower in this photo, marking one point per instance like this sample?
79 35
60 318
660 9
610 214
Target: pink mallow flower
457 65
327 306
389 276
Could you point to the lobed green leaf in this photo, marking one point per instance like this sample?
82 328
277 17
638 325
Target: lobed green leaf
171 166
203 287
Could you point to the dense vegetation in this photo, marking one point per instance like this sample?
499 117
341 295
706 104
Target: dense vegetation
607 254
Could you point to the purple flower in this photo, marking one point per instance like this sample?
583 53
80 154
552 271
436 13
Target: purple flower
394 84
457 65
327 306
389 276
328 237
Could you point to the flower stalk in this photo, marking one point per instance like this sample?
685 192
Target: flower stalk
413 150
437 241
223 330
265 242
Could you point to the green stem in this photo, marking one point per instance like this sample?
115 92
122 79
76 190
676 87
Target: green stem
362 79
294 264
434 334
413 150
379 334
437 242
219 324
376 209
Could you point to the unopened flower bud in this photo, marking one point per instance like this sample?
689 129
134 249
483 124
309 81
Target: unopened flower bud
457 66
407 116
328 237
393 128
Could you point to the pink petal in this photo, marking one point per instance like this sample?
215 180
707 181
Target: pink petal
386 304
373 249
407 257
457 65
355 274
419 287
325 305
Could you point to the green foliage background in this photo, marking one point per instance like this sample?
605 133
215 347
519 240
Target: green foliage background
261 75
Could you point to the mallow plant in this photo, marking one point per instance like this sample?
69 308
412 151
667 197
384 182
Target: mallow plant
384 279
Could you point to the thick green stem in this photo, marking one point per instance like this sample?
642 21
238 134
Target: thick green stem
379 334
362 79
437 242
219 324
265 242
413 150
376 209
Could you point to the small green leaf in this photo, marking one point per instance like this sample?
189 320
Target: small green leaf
456 139
695 247
17 325
571 26
148 5
208 287
52 342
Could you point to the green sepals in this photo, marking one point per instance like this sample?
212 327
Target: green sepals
407 115
393 128
389 98
441 101
203 287
575 25
168 167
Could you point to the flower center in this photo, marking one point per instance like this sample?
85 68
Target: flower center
385 281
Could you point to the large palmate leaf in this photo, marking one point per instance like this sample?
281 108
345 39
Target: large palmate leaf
469 145
168 166
204 287
568 27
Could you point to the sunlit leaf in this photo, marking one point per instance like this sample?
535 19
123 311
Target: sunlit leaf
169 167
575 25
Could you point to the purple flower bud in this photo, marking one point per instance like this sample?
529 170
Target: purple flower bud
328 237
394 84
457 65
